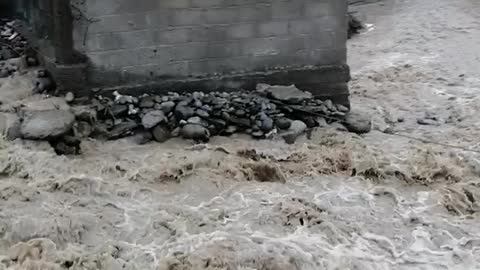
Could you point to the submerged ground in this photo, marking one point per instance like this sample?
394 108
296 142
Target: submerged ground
331 201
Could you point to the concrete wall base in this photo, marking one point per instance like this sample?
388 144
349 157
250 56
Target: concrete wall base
326 82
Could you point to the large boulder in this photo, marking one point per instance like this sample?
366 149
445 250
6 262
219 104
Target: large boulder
296 129
40 125
358 122
288 94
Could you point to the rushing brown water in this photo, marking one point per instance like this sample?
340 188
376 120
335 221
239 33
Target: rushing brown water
408 205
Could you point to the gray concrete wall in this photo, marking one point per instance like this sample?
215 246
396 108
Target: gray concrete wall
148 40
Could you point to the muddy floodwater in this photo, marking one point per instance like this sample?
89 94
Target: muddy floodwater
333 200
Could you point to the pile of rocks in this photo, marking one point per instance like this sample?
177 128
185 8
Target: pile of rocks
269 111
12 45
262 113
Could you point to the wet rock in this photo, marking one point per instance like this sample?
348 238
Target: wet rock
165 98
195 132
4 73
176 132
321 122
142 137
197 103
46 124
183 112
44 84
61 148
231 130
69 97
121 130
329 104
10 126
82 129
358 122
123 100
85 113
288 94
309 121
342 108
132 110
218 123
161 134
267 124
153 118
283 123
338 126
296 129
257 134
240 113
119 110
206 108
197 120
147 102
202 113
167 106
240 121
225 116
32 61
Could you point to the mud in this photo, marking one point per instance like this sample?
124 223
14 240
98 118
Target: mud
331 201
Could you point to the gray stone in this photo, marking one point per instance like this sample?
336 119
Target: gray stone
69 97
329 104
321 122
338 126
296 129
257 134
197 120
176 132
153 118
122 130
85 113
119 110
147 102
342 108
82 129
198 103
289 94
167 106
183 112
358 122
231 129
240 113
46 124
124 100
195 132
160 134
43 84
202 113
267 124
283 123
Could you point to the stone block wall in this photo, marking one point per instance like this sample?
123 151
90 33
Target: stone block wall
229 42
